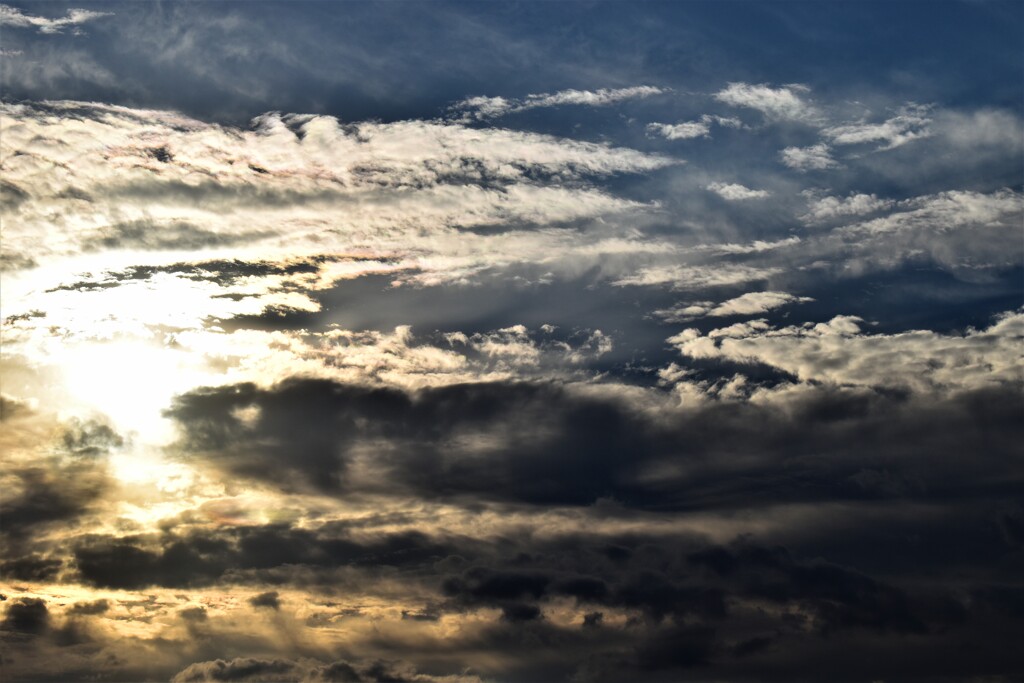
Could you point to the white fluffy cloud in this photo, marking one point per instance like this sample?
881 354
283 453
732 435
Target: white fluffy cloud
839 352
735 192
816 157
783 103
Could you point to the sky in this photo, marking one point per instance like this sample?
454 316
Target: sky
451 342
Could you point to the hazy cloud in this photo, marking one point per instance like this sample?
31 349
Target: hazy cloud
910 123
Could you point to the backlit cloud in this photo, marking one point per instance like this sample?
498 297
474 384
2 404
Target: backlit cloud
309 374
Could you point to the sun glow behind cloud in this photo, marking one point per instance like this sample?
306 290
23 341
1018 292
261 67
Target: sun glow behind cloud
627 369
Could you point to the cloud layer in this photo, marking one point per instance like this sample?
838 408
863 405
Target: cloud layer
691 350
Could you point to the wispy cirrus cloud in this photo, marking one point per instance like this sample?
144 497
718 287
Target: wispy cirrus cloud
482 107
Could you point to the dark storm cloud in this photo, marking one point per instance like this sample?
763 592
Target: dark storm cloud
89 608
202 558
58 487
545 443
241 669
31 567
27 617
252 670
268 599
749 610
739 611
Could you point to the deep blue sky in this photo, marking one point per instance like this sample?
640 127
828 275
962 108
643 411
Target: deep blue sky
394 60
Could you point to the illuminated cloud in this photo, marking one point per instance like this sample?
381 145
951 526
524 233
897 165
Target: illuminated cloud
839 352
751 303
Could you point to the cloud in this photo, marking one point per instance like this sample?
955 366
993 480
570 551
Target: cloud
27 617
696 277
838 352
692 129
253 670
12 16
736 192
482 107
157 181
681 131
268 599
777 104
469 441
52 474
822 209
816 157
985 128
910 123
751 303
515 574
385 434
945 212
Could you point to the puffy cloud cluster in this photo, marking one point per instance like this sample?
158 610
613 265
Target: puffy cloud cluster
839 352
